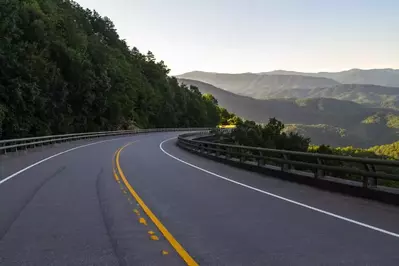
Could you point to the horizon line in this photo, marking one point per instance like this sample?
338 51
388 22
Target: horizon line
296 71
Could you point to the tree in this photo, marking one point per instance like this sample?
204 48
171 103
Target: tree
224 116
65 69
249 133
210 98
235 120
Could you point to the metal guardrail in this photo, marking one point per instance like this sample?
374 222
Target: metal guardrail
318 165
25 143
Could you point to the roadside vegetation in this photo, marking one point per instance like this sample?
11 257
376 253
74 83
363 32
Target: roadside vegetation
272 136
65 69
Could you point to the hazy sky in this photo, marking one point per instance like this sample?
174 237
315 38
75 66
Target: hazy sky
259 35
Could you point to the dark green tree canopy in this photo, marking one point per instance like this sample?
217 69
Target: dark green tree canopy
64 68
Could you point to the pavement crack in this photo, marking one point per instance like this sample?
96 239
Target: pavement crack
118 254
28 200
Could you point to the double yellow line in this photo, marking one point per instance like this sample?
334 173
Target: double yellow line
176 245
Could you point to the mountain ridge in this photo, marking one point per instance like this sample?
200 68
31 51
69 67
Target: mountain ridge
292 72
378 76
282 83
258 86
371 95
325 121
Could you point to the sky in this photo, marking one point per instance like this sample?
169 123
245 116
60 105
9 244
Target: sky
237 36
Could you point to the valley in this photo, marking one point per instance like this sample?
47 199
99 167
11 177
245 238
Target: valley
326 120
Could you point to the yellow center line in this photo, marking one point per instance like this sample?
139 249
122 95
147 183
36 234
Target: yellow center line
176 245
113 166
116 176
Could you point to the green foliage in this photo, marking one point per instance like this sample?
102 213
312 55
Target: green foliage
374 119
65 69
384 152
235 120
391 150
345 151
392 121
249 133
225 117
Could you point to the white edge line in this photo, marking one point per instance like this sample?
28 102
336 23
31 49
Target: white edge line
277 196
52 156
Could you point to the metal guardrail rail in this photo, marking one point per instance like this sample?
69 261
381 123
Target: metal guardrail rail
10 145
366 170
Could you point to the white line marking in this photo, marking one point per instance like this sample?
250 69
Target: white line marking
279 197
52 156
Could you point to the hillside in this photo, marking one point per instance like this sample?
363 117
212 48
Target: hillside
358 85
258 86
382 77
65 69
372 95
326 121
391 150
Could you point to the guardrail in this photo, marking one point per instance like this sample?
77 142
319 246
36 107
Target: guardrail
25 143
366 170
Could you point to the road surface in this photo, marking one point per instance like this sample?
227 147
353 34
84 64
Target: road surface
75 208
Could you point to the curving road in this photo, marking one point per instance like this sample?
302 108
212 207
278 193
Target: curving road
151 203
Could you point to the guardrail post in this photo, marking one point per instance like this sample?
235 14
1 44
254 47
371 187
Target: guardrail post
16 149
192 146
286 166
217 152
369 181
242 157
4 151
200 147
319 172
228 153
261 161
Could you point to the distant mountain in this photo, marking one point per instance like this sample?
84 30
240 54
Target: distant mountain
290 84
383 77
326 134
372 95
326 121
256 85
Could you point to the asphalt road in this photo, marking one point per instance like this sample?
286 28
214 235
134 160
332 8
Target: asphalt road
70 210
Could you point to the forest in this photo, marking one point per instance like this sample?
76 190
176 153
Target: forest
64 69
273 136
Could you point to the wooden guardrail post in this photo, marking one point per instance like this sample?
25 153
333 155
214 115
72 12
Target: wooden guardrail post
261 160
285 166
319 172
242 156
4 150
228 152
191 145
369 181
16 148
